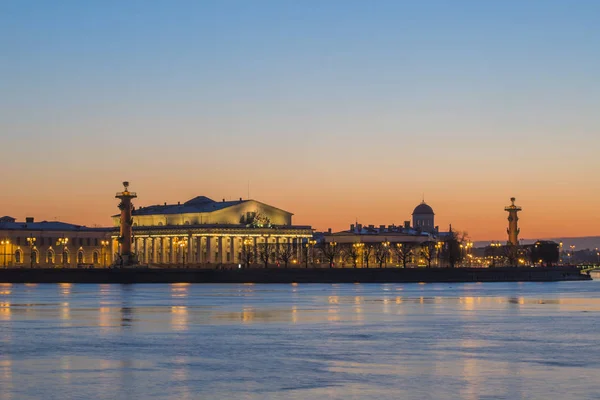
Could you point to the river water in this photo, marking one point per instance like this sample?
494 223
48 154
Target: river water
368 341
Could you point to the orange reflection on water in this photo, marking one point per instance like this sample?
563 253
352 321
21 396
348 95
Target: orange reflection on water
180 375
65 366
104 289
104 317
65 311
5 289
65 288
179 289
5 311
7 376
179 318
294 314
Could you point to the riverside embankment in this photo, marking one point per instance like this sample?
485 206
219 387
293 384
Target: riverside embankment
291 275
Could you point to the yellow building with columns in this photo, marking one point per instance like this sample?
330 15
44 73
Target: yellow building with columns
204 231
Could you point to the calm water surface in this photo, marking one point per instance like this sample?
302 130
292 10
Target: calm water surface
392 341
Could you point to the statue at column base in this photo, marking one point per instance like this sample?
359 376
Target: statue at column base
126 261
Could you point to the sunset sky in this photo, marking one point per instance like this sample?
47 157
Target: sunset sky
334 110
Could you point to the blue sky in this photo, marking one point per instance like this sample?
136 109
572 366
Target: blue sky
388 92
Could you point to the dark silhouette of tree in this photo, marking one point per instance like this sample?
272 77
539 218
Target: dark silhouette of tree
367 251
510 253
266 251
404 251
285 253
496 251
247 252
382 251
351 253
428 251
452 252
330 251
545 252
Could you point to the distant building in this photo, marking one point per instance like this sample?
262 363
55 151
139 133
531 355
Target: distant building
423 218
202 230
423 229
52 244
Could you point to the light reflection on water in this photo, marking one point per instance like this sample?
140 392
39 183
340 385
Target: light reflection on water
181 341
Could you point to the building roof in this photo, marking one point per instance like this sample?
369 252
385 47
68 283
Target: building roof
47 226
199 204
423 209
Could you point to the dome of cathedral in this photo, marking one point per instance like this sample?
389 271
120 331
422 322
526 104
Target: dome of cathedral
423 209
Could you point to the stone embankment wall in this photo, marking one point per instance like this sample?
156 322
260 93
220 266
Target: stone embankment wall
292 275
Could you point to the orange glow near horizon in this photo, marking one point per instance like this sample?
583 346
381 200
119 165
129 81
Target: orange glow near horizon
473 208
292 105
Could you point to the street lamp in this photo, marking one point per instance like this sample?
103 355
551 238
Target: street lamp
494 246
62 241
572 247
439 246
358 250
182 244
5 244
31 242
104 243
332 254
309 246
386 250
248 242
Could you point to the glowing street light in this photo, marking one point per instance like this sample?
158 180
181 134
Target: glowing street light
104 243
31 242
358 248
63 241
572 247
5 244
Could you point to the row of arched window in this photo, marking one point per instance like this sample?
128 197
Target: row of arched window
51 257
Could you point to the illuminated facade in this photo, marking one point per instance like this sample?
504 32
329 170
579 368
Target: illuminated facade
204 231
367 240
52 244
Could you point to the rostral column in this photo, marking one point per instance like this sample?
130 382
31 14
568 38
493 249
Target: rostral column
513 218
126 232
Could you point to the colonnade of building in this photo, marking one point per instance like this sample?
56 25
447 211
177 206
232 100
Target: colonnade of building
211 248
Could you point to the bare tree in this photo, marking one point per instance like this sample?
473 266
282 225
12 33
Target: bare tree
266 252
367 251
452 251
247 252
382 251
404 251
511 253
352 253
428 251
330 251
285 253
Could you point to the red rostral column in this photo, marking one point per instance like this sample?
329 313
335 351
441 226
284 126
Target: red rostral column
513 223
126 232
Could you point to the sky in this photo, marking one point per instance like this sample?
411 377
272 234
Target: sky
337 111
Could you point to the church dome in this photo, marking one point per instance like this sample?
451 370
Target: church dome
423 209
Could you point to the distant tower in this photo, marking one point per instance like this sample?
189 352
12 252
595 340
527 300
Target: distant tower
513 218
126 232
423 218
